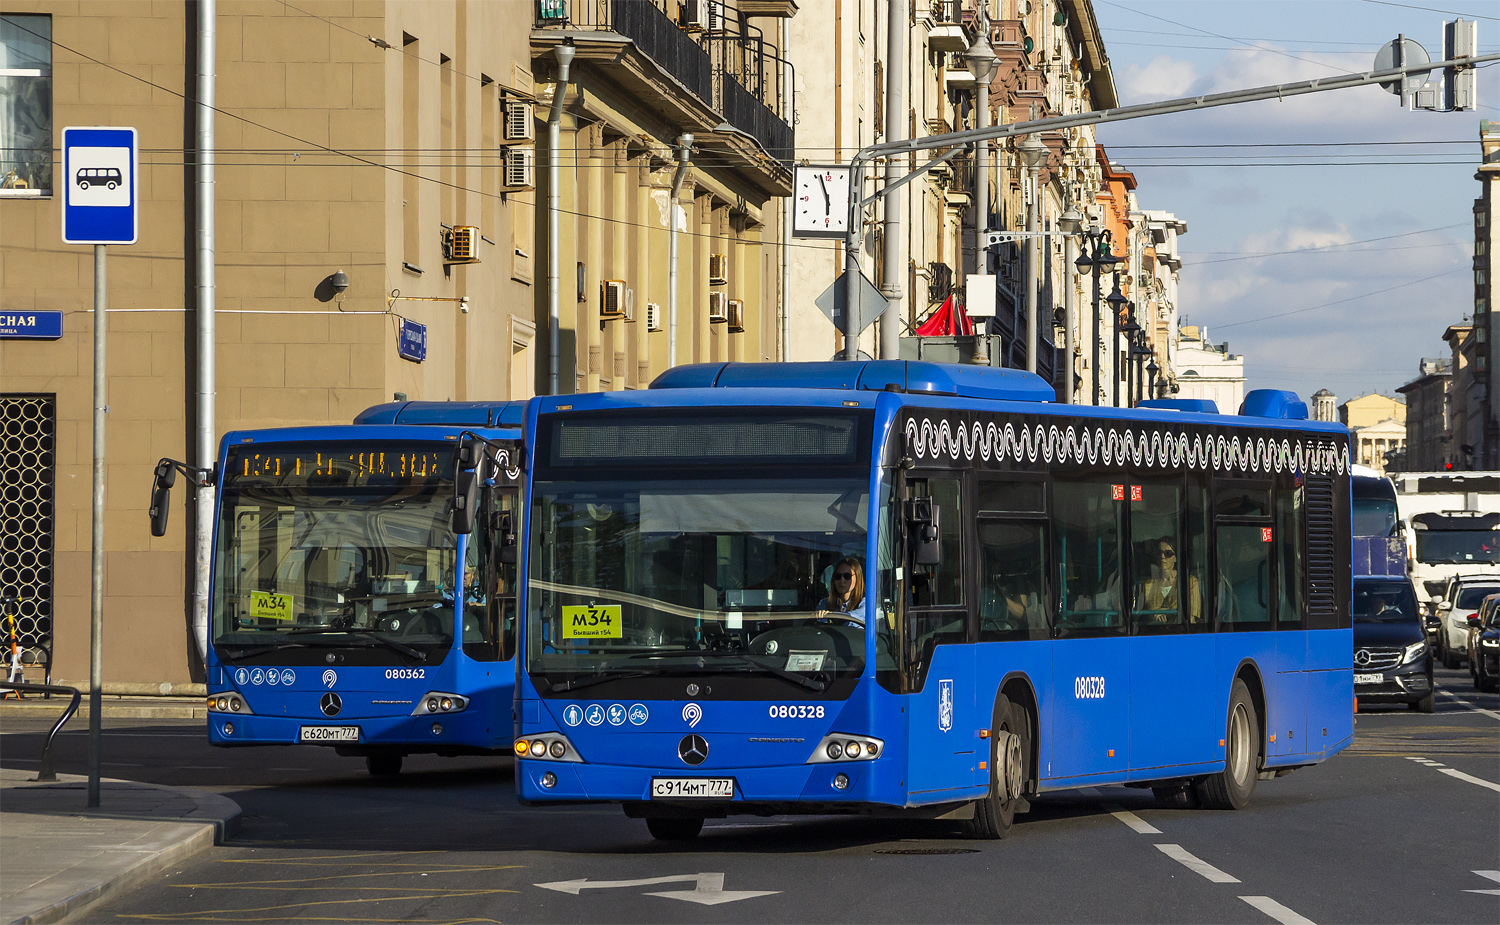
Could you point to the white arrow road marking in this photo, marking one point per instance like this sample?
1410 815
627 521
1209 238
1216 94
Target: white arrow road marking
1276 910
1488 875
708 889
1195 864
1470 778
1131 819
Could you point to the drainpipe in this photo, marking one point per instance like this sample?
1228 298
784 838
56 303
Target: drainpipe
204 233
684 147
789 97
895 125
564 54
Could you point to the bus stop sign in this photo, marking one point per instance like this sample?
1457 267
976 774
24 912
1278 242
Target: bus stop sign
101 188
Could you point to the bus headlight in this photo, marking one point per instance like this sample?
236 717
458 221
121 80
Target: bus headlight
844 747
438 702
228 702
549 746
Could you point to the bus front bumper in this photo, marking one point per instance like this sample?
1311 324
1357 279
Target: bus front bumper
754 790
452 731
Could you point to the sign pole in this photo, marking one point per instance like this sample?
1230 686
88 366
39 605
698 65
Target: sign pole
96 608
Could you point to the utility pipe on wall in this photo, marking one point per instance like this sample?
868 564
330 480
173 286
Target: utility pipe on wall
564 54
684 148
895 119
204 450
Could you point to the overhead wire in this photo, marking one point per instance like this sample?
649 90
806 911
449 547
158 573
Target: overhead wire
1353 298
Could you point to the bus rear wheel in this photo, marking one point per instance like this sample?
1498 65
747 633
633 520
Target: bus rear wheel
673 828
1010 750
1231 787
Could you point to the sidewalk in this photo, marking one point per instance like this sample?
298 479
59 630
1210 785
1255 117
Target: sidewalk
115 706
58 857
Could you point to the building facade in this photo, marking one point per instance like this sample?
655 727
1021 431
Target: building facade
1428 443
1204 369
1324 406
399 149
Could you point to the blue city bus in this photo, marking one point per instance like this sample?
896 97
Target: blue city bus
1379 534
337 577
913 588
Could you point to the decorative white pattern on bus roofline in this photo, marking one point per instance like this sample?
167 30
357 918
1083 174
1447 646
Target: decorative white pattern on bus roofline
1110 446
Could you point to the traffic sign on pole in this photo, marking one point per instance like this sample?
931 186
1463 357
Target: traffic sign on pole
101 187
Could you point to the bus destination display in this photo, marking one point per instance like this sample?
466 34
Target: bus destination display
305 464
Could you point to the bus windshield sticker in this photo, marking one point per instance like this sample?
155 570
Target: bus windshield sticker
638 714
593 621
1117 492
268 605
805 661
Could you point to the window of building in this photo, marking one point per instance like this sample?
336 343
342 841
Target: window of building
25 105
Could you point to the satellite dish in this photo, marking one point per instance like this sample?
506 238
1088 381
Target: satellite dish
1411 53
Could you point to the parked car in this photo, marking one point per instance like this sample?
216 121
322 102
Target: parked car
1484 646
1458 605
1392 663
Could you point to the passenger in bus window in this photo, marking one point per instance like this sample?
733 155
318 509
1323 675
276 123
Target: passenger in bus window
846 592
1157 599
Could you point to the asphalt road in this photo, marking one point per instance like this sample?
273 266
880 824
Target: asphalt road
1395 829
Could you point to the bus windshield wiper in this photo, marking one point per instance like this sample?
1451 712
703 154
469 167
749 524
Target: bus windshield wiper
590 680
366 642
812 684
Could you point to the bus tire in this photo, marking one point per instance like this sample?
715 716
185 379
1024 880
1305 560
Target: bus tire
1010 755
384 764
1231 788
673 828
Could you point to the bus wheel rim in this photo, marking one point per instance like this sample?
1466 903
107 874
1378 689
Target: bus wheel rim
1239 744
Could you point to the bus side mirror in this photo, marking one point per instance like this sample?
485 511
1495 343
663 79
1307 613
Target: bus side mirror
507 535
467 478
922 516
161 496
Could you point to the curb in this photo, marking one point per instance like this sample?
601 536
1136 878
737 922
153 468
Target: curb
216 819
175 708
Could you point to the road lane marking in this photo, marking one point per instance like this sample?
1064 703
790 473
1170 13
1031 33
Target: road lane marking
1196 865
1470 778
1131 819
1488 875
708 888
1477 709
1276 910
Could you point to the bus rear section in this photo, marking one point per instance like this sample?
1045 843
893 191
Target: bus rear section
1042 597
1380 541
346 612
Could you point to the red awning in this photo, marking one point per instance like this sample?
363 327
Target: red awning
949 319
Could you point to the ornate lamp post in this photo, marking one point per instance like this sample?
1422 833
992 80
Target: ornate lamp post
1152 369
1132 331
981 61
1117 301
1033 155
1069 223
1096 256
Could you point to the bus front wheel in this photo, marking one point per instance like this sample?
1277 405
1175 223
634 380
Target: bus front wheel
1010 750
1231 787
673 828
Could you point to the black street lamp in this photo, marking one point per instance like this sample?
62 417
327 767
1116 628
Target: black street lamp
1153 369
1116 300
1096 256
1138 353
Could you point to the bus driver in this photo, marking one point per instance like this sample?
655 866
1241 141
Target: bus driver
846 593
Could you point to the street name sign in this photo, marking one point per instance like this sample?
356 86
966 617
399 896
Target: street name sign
101 187
31 325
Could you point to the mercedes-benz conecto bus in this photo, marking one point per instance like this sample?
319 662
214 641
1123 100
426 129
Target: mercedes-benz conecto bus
346 611
914 588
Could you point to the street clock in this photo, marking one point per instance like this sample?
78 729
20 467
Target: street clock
821 204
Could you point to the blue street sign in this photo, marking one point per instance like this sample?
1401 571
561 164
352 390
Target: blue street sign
412 344
101 188
30 325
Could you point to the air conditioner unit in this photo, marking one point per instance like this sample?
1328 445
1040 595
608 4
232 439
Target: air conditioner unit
520 121
552 10
718 269
520 168
736 316
701 15
461 245
612 294
718 307
653 317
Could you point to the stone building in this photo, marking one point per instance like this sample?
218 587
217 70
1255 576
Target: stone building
404 145
1208 370
1428 443
1324 406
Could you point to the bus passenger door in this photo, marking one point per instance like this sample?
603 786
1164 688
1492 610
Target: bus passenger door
938 657
1089 731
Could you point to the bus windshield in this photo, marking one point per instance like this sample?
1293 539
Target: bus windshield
1458 546
336 547
705 575
1374 517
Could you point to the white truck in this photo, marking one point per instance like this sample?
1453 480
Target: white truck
1452 524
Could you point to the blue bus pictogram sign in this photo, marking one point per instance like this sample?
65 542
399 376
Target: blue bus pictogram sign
101 186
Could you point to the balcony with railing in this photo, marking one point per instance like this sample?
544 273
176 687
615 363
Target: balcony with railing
706 47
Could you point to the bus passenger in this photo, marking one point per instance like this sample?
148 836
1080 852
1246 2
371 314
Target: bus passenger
846 593
1158 594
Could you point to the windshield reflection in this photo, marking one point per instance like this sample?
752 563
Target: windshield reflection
728 575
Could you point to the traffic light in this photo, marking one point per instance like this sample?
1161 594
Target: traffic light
1460 88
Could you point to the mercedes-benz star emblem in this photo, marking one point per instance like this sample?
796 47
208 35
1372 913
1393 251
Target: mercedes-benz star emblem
693 749
332 703
1362 657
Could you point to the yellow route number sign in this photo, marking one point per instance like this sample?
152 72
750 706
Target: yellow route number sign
268 605
595 621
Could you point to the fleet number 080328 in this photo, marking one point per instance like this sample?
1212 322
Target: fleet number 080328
796 711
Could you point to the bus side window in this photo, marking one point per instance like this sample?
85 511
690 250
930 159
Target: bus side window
1161 590
1197 562
1013 580
1088 520
1243 596
942 585
1289 503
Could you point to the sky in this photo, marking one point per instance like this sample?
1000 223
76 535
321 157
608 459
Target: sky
1373 202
